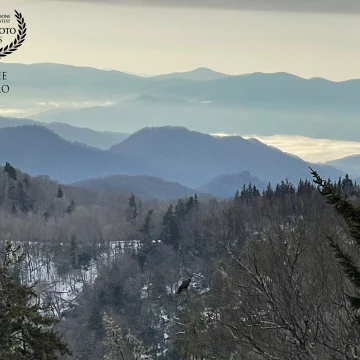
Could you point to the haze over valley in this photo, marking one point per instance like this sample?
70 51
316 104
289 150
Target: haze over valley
180 180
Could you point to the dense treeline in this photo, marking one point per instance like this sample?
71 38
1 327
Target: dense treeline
265 282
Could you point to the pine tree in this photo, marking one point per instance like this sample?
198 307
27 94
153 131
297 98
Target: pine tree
146 228
351 214
189 204
170 228
26 332
10 171
255 191
60 193
180 209
244 192
196 199
132 209
269 192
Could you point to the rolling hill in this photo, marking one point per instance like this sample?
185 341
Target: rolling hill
227 185
148 187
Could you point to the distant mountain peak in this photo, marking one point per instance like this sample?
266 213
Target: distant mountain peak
198 74
164 129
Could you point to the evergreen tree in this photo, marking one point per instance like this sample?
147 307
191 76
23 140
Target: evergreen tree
351 214
244 193
10 171
196 199
189 204
146 228
255 191
60 193
26 332
269 192
132 209
170 228
180 209
304 187
249 192
347 186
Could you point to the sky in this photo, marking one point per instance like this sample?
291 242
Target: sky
304 37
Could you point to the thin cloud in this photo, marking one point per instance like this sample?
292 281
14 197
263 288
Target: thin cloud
309 6
309 149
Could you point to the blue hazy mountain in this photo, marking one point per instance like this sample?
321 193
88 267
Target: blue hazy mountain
99 139
349 164
148 187
258 103
227 185
171 153
199 74
193 158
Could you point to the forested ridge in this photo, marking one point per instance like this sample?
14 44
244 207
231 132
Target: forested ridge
265 283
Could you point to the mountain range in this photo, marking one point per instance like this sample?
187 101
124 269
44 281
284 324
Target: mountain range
258 103
98 139
172 153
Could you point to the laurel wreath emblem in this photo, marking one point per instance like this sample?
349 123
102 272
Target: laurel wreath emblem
8 49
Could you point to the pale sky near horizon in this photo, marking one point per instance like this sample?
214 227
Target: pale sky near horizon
156 40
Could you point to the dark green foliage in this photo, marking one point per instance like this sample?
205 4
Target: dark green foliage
132 209
10 171
334 195
60 193
269 192
26 332
146 228
181 209
247 193
305 187
189 204
196 199
284 188
170 228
